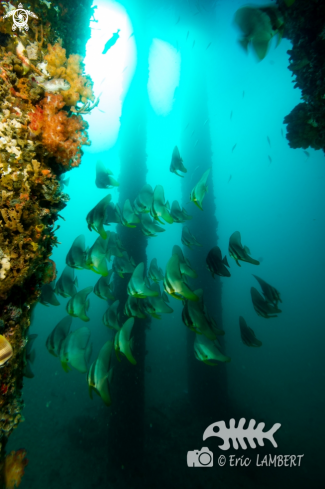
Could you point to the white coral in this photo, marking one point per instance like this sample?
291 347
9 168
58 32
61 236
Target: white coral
5 266
7 142
8 7
32 51
42 67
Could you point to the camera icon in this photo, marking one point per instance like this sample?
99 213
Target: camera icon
200 458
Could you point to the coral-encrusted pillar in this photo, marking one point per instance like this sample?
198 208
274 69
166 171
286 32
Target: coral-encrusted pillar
31 196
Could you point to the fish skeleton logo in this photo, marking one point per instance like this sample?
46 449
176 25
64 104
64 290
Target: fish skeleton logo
20 18
240 433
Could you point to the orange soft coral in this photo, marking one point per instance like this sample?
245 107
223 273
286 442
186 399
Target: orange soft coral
62 136
14 466
70 69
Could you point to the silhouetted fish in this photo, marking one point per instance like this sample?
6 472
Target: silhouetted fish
111 41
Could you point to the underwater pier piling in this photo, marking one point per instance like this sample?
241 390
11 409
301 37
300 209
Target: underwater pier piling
128 390
31 195
207 385
305 27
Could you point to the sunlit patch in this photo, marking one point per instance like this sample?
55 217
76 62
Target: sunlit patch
164 74
111 72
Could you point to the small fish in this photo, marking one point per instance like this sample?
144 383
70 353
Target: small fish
186 127
160 208
188 33
268 140
270 159
231 113
177 163
76 350
96 218
206 120
104 177
229 178
207 351
179 215
239 252
193 44
216 264
155 273
282 132
195 317
234 146
100 374
174 283
131 35
111 318
58 335
247 334
123 264
124 343
97 256
243 93
179 18
64 182
76 257
270 293
133 308
208 45
143 202
307 154
48 295
184 264
29 356
149 227
67 283
188 239
124 69
259 26
5 350
100 110
154 306
78 305
239 434
262 307
137 286
111 41
103 287
198 192
127 217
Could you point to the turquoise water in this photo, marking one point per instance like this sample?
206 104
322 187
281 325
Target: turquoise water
224 98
